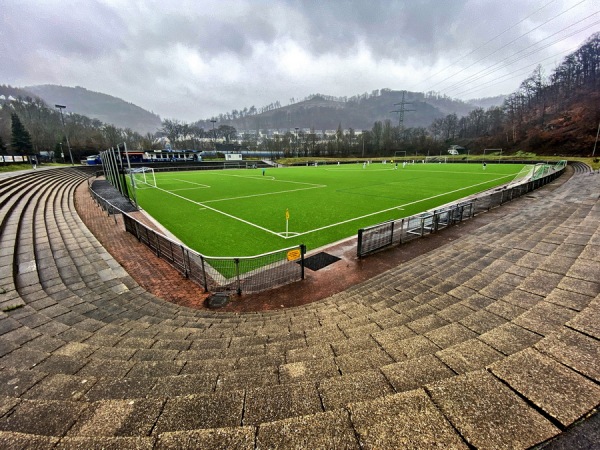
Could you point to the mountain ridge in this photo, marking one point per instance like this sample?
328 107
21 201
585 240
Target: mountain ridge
104 107
319 111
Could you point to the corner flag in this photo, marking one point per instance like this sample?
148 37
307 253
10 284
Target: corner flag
287 214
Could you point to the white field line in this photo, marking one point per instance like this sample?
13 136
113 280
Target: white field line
311 186
396 207
192 182
268 178
359 170
401 170
218 211
266 193
281 234
188 189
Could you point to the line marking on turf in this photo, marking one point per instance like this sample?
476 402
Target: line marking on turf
266 193
296 234
191 182
219 212
267 178
398 206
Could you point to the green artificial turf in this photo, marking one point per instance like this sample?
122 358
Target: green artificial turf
243 212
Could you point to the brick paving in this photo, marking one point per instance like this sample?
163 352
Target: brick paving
463 346
149 271
162 280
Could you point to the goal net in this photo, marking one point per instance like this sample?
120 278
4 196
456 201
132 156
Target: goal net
524 175
436 159
143 177
492 152
560 165
540 170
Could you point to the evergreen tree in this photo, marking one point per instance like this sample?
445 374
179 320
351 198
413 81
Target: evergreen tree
2 147
21 139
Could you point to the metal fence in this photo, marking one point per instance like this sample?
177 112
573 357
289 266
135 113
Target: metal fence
246 274
243 274
395 232
103 203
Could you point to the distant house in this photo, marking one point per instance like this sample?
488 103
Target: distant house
456 150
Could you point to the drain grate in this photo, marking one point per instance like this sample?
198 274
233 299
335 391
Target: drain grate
319 261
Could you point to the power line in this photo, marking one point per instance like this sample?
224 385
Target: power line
487 42
526 48
512 75
505 45
513 58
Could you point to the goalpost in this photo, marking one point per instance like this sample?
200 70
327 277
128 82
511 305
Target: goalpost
143 175
492 151
436 159
400 153
524 175
540 170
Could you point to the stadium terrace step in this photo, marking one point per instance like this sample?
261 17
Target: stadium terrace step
366 367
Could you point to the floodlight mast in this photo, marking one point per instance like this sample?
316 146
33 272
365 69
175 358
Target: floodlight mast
214 134
62 119
596 143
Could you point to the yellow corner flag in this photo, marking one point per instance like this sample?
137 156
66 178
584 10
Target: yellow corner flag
287 214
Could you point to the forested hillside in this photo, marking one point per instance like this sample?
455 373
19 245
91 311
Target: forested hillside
556 113
44 125
106 108
323 112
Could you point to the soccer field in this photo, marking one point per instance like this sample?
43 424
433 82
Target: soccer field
243 212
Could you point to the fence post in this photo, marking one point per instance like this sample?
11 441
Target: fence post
358 247
401 230
302 252
137 231
237 276
204 273
185 268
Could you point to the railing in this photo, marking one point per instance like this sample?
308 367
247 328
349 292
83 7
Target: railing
395 232
103 203
243 274
246 274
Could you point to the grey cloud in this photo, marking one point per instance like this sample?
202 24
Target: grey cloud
77 31
236 52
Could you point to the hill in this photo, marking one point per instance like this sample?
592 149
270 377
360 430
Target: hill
106 108
323 112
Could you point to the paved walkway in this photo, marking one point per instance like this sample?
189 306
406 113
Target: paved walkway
489 341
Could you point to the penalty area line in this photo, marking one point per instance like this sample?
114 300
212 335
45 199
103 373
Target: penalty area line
400 206
219 212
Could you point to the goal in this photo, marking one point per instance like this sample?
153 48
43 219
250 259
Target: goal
492 152
436 159
143 176
524 175
400 154
540 170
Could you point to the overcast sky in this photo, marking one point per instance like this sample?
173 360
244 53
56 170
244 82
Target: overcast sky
190 60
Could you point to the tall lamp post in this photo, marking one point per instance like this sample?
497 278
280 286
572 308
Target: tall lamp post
214 134
297 141
62 119
595 143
